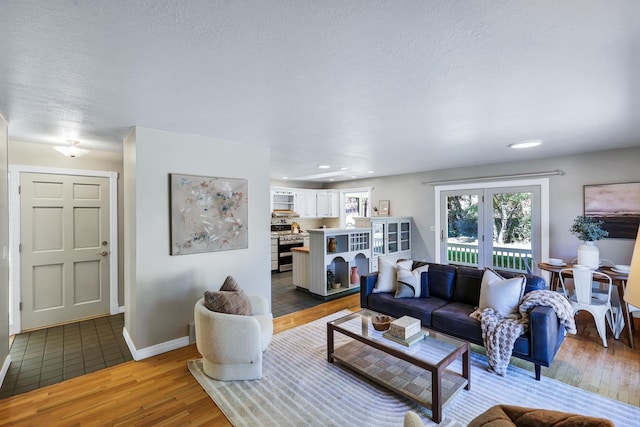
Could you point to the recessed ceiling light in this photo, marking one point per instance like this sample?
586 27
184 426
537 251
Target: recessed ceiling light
331 179
526 144
324 166
353 176
285 177
369 171
343 168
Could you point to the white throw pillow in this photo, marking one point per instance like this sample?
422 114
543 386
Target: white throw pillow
386 277
500 294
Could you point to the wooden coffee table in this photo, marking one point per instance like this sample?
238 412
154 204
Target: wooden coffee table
418 372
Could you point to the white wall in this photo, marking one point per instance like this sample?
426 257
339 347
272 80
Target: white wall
410 197
161 289
4 249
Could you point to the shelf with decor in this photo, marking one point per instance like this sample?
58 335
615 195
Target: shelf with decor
333 255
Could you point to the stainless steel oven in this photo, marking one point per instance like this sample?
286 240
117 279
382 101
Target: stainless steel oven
286 242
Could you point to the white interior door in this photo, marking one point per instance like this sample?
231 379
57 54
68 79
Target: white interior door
65 248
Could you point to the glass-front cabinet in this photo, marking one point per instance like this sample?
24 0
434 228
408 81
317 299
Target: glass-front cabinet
391 237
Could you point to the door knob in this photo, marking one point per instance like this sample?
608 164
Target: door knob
103 253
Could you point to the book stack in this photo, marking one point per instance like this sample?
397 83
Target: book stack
405 330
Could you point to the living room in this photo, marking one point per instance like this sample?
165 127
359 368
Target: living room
157 291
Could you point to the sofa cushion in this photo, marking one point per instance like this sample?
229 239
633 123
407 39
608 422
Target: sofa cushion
454 319
441 279
467 286
419 308
500 294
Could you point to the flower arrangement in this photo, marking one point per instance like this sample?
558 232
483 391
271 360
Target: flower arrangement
588 228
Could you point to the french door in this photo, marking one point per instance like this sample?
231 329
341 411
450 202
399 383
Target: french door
498 227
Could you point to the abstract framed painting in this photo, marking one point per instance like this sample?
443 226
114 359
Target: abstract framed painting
618 205
208 214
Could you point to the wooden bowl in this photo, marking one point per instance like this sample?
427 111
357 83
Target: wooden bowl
381 322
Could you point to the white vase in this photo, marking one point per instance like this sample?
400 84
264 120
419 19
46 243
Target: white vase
589 255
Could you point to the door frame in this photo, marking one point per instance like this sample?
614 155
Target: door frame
543 183
15 319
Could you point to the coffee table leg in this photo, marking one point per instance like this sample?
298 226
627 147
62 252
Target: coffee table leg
466 367
436 407
330 343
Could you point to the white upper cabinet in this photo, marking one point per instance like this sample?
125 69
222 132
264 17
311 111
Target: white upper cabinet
327 203
305 203
315 203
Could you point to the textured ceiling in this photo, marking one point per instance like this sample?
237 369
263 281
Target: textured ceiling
388 86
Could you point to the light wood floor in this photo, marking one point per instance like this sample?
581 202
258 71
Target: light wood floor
161 391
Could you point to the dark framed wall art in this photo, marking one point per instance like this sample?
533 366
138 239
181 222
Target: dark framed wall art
618 205
207 214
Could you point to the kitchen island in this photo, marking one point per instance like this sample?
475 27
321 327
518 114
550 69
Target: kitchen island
336 257
301 267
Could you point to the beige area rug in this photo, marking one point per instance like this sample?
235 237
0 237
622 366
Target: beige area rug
300 388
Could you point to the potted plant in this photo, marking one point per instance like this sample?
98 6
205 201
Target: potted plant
588 229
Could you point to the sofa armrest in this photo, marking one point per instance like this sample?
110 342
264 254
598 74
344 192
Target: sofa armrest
546 334
367 283
259 304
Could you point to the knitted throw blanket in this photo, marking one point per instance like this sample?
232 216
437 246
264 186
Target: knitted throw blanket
500 333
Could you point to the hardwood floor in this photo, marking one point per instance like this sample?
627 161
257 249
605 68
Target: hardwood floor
161 391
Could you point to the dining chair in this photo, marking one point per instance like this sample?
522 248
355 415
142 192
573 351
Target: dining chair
630 310
583 297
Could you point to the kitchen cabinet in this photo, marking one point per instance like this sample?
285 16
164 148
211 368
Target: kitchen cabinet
391 239
305 203
327 203
281 199
352 249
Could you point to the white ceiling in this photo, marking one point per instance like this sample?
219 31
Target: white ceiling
387 86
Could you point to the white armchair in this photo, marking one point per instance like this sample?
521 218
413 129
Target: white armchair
232 345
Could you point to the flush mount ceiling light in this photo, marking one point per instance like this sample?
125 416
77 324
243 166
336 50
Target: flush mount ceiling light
324 166
71 149
526 144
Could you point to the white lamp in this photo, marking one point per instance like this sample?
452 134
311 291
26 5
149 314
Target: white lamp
632 291
71 150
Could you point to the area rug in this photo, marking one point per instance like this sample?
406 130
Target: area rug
300 388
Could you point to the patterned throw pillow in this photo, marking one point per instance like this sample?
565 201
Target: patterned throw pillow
409 282
230 299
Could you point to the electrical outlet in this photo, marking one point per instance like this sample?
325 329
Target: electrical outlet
432 228
192 333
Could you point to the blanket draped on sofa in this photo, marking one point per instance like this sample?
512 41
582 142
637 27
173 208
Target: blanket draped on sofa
500 333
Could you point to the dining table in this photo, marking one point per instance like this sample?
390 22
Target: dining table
618 279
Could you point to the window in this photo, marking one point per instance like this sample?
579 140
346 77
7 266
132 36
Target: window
355 204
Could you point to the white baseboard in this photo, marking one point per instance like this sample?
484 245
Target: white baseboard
5 368
154 350
121 309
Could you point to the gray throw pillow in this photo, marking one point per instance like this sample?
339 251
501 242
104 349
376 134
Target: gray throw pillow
230 299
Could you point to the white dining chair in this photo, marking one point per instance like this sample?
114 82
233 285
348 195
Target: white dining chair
583 297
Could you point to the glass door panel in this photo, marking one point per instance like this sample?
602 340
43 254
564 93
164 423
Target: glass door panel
462 217
377 230
405 237
392 237
515 218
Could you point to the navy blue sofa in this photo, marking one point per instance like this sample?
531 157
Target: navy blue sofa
452 293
